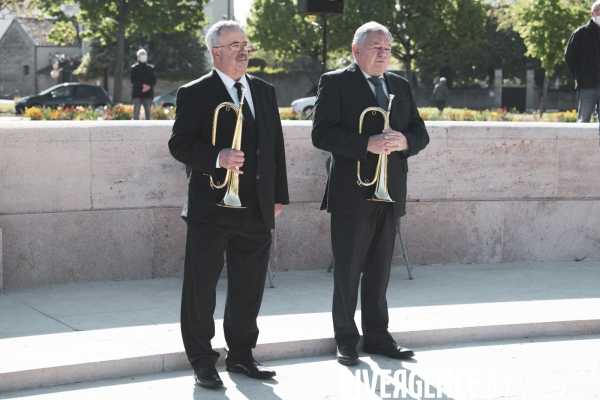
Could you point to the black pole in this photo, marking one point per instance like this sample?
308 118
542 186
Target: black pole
324 65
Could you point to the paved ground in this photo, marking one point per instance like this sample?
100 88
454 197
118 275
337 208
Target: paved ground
550 368
99 331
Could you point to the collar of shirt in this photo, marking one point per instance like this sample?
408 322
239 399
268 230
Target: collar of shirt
229 82
367 76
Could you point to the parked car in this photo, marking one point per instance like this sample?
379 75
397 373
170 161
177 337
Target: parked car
304 107
66 94
166 100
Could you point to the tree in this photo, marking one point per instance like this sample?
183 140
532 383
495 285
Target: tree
420 27
178 55
545 26
110 22
274 25
416 26
499 48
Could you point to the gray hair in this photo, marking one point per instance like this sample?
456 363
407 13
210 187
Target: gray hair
442 79
214 33
595 4
363 31
140 51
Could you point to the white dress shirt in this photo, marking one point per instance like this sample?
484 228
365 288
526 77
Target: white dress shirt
229 82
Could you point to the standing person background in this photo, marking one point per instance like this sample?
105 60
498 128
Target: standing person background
143 78
243 233
363 232
441 94
582 56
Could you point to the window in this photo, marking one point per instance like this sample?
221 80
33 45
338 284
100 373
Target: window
85 91
61 92
25 69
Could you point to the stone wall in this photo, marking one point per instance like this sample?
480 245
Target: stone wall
1 281
16 51
93 201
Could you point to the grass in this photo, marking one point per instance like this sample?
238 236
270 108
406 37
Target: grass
7 107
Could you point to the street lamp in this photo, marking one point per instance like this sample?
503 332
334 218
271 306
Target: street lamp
325 8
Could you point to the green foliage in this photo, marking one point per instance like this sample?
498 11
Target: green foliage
174 56
276 27
418 27
110 22
545 26
498 48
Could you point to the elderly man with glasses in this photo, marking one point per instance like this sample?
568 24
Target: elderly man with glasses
583 60
244 234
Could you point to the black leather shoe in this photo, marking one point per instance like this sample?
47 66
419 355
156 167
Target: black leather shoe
253 369
389 349
208 377
347 355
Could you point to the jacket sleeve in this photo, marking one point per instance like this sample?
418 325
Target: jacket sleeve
416 134
185 144
327 133
281 184
572 52
152 79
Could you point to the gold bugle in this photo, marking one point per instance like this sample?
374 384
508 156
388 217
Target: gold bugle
381 173
232 180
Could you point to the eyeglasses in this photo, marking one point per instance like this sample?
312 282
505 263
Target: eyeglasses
237 46
596 11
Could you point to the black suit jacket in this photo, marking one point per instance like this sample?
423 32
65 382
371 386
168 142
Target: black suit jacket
264 180
342 97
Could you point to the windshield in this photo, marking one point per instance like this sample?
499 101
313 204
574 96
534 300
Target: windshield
50 89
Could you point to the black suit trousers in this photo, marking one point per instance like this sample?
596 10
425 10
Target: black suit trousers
362 245
247 246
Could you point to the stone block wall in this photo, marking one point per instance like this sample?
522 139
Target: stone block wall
101 200
1 282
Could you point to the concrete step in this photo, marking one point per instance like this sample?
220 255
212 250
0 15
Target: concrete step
523 369
80 333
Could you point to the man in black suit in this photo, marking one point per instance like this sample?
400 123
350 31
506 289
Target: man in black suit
243 233
362 231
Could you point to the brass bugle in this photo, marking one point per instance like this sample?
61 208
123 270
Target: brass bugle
232 180
381 173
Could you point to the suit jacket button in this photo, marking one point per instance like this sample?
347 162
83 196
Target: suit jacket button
257 176
257 151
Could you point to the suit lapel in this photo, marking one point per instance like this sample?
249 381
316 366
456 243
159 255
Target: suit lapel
219 88
359 79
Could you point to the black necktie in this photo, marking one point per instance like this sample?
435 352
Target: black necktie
246 108
382 99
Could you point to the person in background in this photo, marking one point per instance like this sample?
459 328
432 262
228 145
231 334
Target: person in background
582 57
143 80
440 94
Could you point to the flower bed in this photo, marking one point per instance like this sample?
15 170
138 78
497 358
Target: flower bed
117 112
125 112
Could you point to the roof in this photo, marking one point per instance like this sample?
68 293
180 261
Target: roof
4 24
39 29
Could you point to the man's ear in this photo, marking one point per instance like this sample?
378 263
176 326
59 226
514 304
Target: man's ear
355 49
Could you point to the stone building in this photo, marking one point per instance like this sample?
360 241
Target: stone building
26 56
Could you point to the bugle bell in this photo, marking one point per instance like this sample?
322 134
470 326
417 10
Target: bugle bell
381 173
232 180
